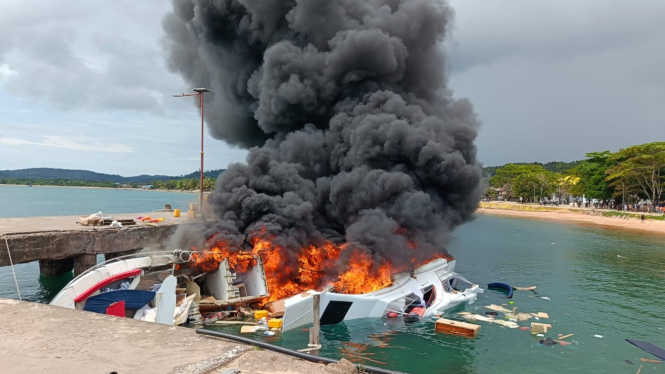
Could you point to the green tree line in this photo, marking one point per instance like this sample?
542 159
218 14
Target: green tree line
170 184
184 184
55 182
631 175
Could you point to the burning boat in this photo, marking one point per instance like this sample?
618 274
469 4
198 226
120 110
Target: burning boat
426 291
164 287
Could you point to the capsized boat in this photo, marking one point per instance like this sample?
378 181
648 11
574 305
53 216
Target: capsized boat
426 291
148 287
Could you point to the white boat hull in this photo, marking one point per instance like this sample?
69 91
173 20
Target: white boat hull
335 308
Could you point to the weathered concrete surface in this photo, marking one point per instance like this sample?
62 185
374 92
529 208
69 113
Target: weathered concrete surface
57 238
38 338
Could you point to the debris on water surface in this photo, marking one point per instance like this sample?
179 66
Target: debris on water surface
524 288
548 342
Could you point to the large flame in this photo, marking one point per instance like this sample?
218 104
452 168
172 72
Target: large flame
317 266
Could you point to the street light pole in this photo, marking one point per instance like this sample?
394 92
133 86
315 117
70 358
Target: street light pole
199 94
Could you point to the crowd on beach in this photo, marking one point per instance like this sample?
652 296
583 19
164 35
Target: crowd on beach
640 207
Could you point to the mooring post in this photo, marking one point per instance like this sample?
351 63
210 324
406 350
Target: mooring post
83 263
56 267
314 331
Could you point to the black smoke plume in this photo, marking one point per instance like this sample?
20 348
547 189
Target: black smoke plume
356 137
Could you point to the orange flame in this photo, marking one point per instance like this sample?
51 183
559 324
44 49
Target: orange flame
362 276
314 268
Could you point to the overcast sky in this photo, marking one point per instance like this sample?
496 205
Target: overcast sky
83 84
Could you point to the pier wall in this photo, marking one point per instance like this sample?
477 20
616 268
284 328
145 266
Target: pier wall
61 248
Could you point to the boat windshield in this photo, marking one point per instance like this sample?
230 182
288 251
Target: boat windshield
450 281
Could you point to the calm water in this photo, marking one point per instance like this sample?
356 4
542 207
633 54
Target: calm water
592 291
23 201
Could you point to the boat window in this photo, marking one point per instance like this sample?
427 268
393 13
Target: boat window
453 283
447 287
429 295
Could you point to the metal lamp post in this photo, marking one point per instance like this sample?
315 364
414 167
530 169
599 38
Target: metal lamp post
199 94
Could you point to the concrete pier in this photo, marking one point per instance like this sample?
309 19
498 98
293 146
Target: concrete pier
59 243
38 338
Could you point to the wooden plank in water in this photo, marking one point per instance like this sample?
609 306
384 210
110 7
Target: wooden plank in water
450 327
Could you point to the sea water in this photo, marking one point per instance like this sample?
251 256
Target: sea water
598 282
590 290
24 201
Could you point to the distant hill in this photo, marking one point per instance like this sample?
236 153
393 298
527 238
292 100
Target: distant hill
554 166
86 175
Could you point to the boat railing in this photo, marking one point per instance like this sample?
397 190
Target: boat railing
176 256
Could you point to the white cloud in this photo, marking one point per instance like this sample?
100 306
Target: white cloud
6 72
53 141
85 60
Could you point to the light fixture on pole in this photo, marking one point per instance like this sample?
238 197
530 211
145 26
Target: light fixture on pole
199 94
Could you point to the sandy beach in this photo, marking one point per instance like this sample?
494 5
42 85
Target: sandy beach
581 217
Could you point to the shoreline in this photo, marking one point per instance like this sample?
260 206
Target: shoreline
106 188
576 217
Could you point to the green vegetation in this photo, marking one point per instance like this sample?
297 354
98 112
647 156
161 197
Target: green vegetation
528 181
184 184
55 182
632 215
554 166
592 174
631 175
84 178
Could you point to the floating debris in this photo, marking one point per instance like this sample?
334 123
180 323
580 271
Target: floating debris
548 342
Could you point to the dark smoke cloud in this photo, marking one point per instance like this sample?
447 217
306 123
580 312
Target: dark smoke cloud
358 138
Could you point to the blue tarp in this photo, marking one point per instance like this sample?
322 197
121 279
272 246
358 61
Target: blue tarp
133 300
653 349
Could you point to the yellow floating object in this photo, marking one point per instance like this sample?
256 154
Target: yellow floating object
261 314
275 323
176 213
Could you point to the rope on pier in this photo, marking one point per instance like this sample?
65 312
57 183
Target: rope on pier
12 264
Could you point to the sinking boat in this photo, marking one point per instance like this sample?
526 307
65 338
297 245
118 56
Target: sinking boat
430 289
163 286
146 286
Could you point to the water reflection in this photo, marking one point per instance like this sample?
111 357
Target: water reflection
50 285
